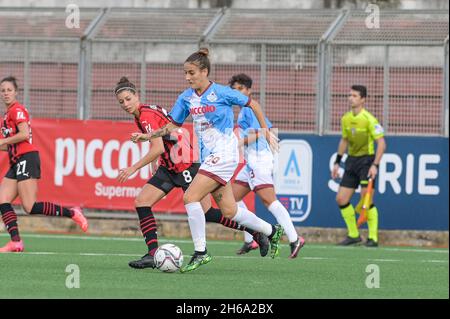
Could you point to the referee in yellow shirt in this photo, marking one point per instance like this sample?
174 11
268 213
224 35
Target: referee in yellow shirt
359 131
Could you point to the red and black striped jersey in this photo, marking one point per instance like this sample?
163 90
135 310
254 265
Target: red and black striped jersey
153 117
15 115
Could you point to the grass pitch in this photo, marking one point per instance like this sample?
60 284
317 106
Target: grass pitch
320 271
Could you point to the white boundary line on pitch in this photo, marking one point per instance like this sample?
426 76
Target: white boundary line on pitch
45 253
185 241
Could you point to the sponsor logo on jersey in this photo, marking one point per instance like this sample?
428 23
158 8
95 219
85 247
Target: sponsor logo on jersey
6 131
212 97
202 109
379 129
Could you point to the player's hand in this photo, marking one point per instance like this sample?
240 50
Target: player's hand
273 141
139 137
335 171
373 171
125 173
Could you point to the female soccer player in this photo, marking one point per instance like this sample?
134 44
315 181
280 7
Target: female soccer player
257 174
175 171
210 105
25 170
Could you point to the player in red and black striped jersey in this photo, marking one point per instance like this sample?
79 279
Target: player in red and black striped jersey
25 169
176 170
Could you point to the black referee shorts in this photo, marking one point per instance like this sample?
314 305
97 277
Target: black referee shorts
356 171
27 166
166 180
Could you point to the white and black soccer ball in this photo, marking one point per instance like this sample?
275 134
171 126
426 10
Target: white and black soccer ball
168 258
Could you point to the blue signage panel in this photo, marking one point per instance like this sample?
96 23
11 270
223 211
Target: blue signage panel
411 188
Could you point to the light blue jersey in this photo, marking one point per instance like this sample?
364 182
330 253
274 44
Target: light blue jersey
212 114
248 122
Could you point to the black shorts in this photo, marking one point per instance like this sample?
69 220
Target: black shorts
166 180
356 171
27 166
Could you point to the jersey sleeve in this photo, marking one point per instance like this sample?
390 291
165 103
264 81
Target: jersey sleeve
344 132
19 115
180 111
375 128
234 97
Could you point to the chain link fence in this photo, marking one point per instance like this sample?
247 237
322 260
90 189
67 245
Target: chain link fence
303 62
402 63
38 48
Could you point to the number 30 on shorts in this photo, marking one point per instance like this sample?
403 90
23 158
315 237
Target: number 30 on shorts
212 160
187 176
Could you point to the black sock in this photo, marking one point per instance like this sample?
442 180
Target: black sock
50 209
214 215
148 227
10 220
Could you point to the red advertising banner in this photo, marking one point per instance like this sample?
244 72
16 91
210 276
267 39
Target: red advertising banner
80 162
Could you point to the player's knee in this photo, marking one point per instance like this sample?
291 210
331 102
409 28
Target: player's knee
27 207
228 212
189 198
268 201
340 200
139 202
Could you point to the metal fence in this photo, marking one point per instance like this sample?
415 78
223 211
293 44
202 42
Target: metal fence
303 62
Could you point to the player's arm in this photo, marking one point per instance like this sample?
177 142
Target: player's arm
271 138
252 136
249 139
342 148
156 149
381 148
166 129
22 135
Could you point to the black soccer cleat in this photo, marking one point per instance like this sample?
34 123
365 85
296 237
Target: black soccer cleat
371 243
296 246
146 261
350 241
263 242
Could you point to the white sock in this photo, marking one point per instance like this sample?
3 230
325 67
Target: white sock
283 218
247 237
197 225
250 220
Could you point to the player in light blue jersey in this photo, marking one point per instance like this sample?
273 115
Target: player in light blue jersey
210 105
257 174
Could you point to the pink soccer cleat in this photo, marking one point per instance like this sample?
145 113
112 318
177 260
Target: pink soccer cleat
296 246
79 218
13 247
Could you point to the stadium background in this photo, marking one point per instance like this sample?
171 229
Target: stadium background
303 62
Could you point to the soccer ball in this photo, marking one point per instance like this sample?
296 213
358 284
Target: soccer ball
168 258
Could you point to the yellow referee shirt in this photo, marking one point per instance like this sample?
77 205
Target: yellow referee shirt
360 131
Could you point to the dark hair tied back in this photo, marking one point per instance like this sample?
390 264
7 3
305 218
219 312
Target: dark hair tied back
124 84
